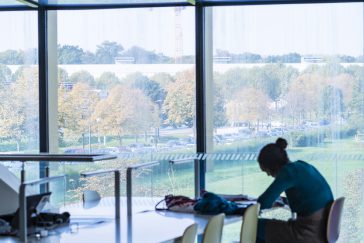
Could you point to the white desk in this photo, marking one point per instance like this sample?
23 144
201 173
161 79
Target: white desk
98 225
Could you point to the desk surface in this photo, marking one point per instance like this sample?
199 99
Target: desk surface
97 224
56 157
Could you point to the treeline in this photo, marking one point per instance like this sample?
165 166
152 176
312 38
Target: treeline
109 52
137 104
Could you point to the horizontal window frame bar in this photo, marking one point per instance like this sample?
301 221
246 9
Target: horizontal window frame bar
115 6
271 2
16 8
187 4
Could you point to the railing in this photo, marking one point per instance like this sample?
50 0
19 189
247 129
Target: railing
231 173
116 186
172 163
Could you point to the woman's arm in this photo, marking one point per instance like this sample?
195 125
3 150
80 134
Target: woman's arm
282 182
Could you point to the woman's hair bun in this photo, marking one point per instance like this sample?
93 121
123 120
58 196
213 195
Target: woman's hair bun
282 143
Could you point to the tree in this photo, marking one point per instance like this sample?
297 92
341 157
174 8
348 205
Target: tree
151 88
68 54
232 80
286 58
179 104
333 105
76 107
82 77
63 80
164 79
249 104
88 58
273 79
12 57
143 56
5 76
19 112
107 51
303 98
356 105
247 57
125 111
107 80
219 108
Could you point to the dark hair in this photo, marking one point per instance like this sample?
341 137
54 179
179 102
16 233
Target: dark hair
273 155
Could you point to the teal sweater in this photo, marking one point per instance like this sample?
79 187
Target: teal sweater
306 189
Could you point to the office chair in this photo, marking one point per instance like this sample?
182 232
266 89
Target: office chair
213 230
189 235
90 198
334 220
249 226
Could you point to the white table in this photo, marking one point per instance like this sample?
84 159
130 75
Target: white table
97 224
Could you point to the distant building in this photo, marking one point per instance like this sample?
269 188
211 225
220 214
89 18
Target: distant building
312 59
219 59
124 60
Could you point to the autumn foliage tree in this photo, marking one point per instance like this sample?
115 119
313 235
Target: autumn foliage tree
76 107
179 104
19 113
249 104
125 111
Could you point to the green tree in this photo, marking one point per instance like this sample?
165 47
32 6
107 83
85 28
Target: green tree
88 58
107 80
63 79
82 77
151 88
144 56
356 105
333 104
68 54
107 51
5 76
232 80
12 57
273 79
219 103
164 79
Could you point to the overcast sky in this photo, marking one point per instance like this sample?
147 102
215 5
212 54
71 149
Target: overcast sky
275 29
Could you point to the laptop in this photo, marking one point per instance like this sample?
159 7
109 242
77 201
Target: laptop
35 204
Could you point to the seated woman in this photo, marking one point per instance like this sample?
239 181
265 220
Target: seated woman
308 194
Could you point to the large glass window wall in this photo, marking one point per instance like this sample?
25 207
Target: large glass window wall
292 71
126 86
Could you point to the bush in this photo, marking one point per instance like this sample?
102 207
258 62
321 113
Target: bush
307 139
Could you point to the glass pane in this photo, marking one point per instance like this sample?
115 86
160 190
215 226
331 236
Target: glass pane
292 71
126 86
19 113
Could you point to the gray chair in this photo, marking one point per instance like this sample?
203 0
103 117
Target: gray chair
334 220
90 198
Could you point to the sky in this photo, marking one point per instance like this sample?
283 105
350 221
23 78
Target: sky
320 29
